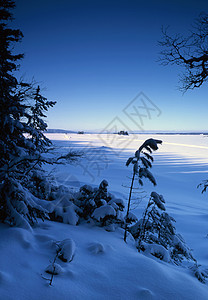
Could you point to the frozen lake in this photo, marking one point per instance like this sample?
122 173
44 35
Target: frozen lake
180 164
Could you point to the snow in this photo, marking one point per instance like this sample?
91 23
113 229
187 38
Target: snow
66 250
119 273
156 198
55 269
132 216
104 267
118 202
103 211
96 248
157 250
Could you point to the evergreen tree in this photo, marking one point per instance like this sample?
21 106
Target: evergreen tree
11 106
36 122
156 234
141 161
22 140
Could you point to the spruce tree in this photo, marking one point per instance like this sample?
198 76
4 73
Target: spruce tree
36 122
141 161
22 141
11 107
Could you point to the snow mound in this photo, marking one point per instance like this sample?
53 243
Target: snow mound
5 277
157 251
22 236
119 202
145 294
96 248
103 211
110 228
66 250
54 269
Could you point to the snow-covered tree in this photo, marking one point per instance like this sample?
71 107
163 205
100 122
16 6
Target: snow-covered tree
156 234
142 162
36 122
22 141
12 109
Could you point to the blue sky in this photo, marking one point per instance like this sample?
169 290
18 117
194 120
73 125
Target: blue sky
94 57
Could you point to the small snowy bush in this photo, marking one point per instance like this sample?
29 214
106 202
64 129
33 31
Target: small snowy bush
90 204
39 184
155 233
62 208
19 206
99 205
104 213
156 250
200 273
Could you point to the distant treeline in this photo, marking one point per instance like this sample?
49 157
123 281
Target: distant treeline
143 132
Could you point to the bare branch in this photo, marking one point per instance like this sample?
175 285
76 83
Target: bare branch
190 52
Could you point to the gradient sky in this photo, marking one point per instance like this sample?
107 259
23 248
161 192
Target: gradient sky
94 57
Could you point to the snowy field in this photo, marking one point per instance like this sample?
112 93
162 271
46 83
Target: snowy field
104 267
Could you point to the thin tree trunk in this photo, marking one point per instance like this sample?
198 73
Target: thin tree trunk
128 208
143 227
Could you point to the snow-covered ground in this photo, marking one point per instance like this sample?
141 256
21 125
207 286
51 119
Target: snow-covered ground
104 267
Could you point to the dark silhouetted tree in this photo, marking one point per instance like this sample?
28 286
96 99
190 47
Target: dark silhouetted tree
190 52
22 141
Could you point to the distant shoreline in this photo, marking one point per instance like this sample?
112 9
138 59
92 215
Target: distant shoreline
132 132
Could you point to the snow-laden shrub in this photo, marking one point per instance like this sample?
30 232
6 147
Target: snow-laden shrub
179 249
104 213
39 184
99 205
88 204
200 272
132 218
62 209
18 206
64 212
156 250
117 203
155 233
